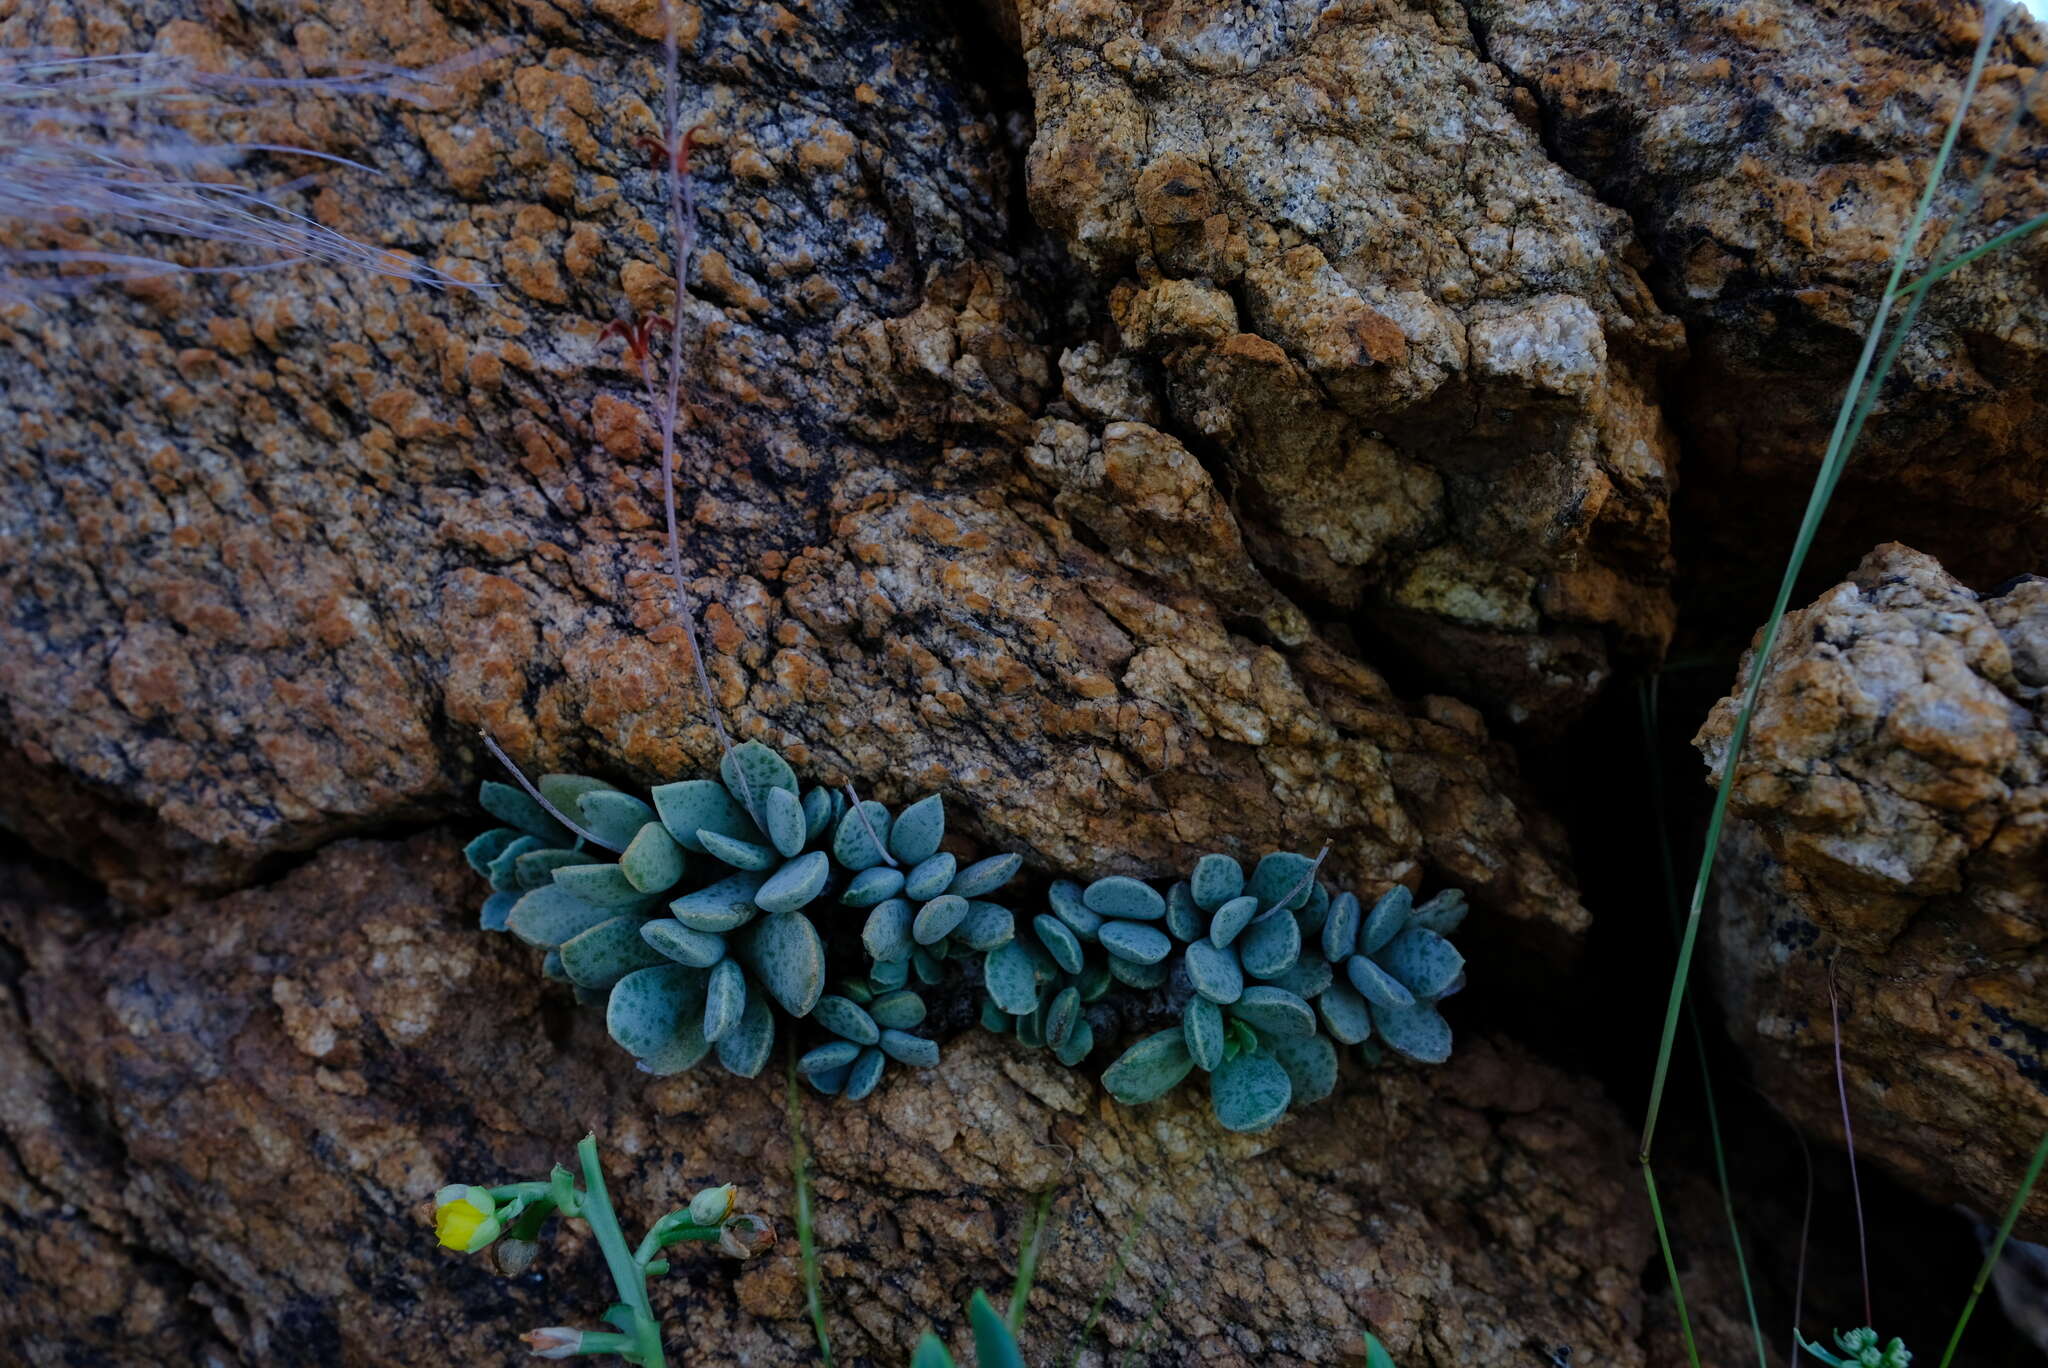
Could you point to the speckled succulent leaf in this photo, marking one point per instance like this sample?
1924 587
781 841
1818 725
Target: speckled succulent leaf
1274 1013
873 885
994 1018
819 813
857 990
564 789
1061 1015
744 1049
1311 1064
1201 1026
1232 918
600 885
984 877
533 868
886 934
548 916
606 953
843 1017
1376 985
1239 1039
504 870
866 1073
906 1048
1184 921
1094 981
829 1081
930 879
649 1008
1059 941
749 855
496 908
750 769
723 906
918 830
782 817
1425 962
1340 928
1277 875
1310 976
1443 913
854 843
685 1050
901 1010
890 974
995 1346
985 926
1345 1014
1250 1092
1270 946
1310 917
698 949
928 967
1419 1031
487 847
835 1054
551 967
1079 1042
1134 941
611 816
1388 919
695 805
1216 880
725 997
783 952
936 919
1132 974
1124 899
1065 899
796 884
652 861
1214 972
1011 978
1150 1068
515 807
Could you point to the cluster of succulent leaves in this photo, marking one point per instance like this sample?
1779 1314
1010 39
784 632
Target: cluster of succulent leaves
1859 1348
1272 971
702 927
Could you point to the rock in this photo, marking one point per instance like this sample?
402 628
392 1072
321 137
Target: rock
1417 356
274 547
1770 156
254 1100
1887 833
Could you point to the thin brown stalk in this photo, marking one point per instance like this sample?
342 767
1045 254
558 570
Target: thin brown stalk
1849 1138
495 749
854 798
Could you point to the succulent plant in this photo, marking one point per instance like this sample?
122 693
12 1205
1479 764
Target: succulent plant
705 925
1272 975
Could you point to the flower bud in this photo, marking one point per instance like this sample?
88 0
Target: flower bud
744 1236
515 1256
712 1205
553 1342
465 1218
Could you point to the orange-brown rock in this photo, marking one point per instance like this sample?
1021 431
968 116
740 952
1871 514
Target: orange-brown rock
1890 837
222 1128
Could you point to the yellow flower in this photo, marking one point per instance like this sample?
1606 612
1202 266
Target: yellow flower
465 1218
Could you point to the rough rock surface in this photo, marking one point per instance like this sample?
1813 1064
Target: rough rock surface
1770 157
1889 832
224 1125
454 499
1339 258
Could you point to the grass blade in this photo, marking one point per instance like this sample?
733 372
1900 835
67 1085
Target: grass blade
1692 1350
1027 1262
2012 1214
806 1241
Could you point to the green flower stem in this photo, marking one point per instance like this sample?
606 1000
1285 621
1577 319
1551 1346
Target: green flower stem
605 1342
644 1344
674 1228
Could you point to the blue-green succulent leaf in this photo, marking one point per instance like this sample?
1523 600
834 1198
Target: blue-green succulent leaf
782 814
1132 974
564 789
1065 898
1150 1068
487 847
515 807
1184 921
937 919
866 1073
652 861
1340 928
872 885
600 885
1274 1013
651 1009
725 998
1215 973
497 908
1377 986
613 817
1201 1026
836 1054
551 915
842 1017
695 805
1124 899
1270 946
504 870
984 877
744 1049
1134 941
606 953
818 813
1425 962
1443 913
901 1010
1059 941
919 829
1309 978
930 878
750 855
1277 875
1419 1031
1345 1014
1011 978
783 952
1061 1016
858 844
1216 880
915 1051
751 769
1232 918
532 868
1250 1092
986 926
1311 1064
720 907
1079 1042
890 974
796 884
698 949
1388 919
